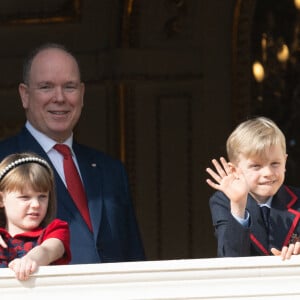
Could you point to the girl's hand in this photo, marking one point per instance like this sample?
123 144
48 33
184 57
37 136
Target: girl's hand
23 267
2 243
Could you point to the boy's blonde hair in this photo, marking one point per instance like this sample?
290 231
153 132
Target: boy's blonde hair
27 170
253 137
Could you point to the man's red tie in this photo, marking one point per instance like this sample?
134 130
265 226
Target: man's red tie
74 183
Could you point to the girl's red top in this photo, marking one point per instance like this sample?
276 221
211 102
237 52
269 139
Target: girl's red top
21 243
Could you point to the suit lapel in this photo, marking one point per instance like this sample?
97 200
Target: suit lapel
259 235
26 142
284 217
66 208
92 178
283 221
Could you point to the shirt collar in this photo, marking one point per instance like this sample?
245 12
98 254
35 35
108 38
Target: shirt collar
46 142
268 203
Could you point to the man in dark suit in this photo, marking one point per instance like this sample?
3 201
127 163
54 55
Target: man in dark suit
52 96
253 212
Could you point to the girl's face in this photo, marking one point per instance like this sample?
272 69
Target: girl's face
24 210
264 175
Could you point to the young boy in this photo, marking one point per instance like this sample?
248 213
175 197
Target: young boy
252 178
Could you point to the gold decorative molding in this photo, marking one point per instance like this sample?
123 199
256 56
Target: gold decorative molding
129 17
241 59
39 12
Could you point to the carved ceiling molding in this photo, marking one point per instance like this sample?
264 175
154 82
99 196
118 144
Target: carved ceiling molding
173 24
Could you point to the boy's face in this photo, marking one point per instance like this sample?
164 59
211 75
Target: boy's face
264 174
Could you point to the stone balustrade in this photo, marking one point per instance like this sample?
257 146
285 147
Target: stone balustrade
213 278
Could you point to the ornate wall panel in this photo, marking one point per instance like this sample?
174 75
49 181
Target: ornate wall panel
171 90
39 12
158 95
166 184
242 29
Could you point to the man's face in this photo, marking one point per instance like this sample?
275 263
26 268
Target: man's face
53 98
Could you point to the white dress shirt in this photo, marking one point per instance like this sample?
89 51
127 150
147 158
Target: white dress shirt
47 144
245 221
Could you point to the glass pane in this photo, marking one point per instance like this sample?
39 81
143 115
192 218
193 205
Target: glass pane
276 73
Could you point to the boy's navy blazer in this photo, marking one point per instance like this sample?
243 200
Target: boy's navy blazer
116 236
235 240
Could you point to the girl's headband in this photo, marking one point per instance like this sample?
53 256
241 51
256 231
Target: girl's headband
21 161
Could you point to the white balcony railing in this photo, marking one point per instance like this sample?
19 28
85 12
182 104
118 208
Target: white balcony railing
214 278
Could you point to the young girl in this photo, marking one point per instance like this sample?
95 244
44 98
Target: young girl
27 208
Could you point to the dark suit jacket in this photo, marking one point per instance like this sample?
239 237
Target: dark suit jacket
235 240
116 236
